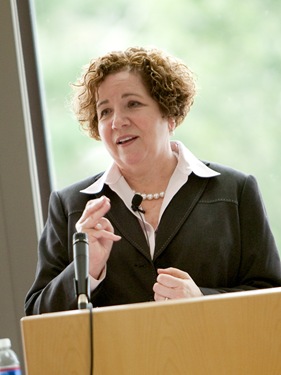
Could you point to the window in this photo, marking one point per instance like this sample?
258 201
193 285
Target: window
233 48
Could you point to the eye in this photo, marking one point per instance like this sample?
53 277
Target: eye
133 104
105 112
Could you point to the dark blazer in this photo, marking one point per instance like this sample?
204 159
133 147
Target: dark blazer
216 229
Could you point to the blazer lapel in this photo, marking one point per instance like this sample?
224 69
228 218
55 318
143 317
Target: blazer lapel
173 218
178 211
126 223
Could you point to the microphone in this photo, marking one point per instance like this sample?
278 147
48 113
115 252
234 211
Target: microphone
136 202
81 268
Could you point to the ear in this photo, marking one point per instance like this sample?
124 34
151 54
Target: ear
171 125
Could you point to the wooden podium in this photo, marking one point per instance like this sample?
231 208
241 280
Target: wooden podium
230 334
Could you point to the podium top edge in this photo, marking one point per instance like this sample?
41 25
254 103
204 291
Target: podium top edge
55 314
204 299
260 293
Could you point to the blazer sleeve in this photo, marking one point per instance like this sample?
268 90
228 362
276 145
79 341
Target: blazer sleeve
260 261
53 288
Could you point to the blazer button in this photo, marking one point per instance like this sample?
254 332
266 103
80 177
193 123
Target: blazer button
140 265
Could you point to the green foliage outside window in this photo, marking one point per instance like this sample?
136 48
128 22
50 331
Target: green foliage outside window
233 47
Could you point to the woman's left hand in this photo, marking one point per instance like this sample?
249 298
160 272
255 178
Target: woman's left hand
172 283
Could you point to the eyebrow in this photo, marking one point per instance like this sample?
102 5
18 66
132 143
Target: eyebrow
106 101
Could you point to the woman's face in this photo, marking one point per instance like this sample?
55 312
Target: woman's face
130 122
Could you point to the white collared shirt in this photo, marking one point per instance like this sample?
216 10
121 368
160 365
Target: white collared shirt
187 163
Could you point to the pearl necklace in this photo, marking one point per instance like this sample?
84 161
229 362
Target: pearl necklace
149 197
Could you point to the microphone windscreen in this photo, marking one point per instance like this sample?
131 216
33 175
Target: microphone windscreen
136 201
79 236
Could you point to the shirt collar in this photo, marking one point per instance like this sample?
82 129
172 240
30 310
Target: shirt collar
187 163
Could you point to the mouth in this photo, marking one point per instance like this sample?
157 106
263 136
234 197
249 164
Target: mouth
125 140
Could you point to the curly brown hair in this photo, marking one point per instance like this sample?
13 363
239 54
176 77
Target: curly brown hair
168 80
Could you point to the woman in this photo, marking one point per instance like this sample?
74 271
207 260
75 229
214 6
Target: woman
201 228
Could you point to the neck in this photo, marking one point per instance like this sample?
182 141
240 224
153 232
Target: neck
152 179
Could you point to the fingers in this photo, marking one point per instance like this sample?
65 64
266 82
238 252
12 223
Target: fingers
95 209
94 223
100 233
103 224
173 283
160 297
171 277
173 272
103 229
98 226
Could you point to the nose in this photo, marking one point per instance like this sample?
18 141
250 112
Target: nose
119 120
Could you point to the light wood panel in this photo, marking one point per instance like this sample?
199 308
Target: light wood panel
57 343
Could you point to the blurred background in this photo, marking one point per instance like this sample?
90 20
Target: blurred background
234 49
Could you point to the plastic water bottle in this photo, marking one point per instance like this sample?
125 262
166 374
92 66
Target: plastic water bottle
9 363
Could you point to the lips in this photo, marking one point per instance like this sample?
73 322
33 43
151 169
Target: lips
126 139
